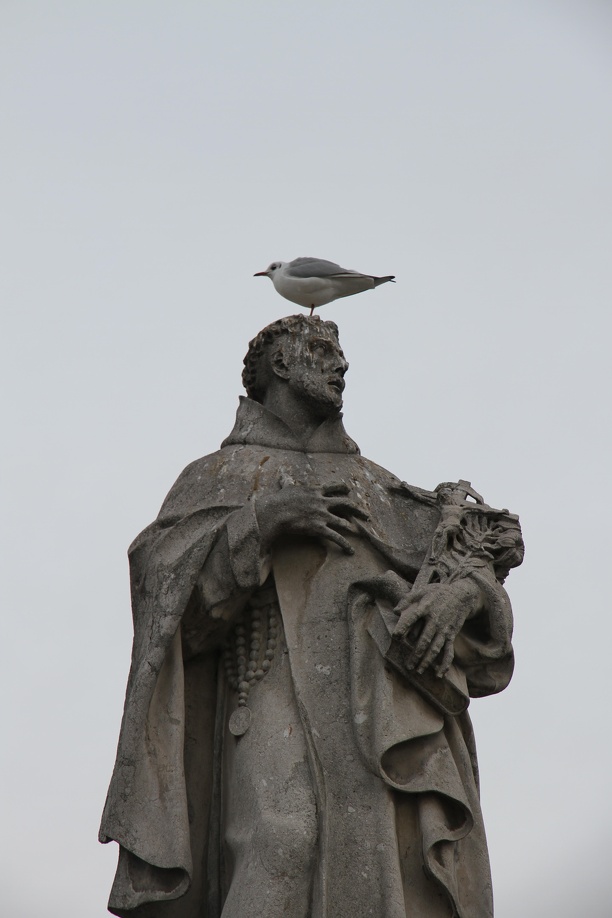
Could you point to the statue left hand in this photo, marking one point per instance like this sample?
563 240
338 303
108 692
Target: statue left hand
443 608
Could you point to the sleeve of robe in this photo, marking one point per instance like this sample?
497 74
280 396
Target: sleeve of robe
483 648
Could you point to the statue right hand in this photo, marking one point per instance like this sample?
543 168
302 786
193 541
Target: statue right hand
299 511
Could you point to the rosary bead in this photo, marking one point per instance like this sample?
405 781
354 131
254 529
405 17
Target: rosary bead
248 657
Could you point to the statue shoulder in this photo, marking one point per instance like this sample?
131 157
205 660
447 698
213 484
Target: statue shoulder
220 477
392 483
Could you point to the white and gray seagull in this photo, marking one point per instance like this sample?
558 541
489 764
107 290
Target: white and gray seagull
313 282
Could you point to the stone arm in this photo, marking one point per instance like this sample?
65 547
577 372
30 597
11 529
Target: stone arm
240 559
457 609
434 616
237 564
468 622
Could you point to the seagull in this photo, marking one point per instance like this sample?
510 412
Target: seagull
313 282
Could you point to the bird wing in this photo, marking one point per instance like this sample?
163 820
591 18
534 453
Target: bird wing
315 267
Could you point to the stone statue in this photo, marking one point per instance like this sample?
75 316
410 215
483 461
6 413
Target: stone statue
308 632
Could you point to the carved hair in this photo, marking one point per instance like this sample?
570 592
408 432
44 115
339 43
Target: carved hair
254 375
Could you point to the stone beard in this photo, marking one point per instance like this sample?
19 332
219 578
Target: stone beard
271 760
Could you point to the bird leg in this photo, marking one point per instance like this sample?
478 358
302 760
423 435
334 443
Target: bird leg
312 309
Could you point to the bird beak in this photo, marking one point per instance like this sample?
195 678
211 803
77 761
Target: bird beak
261 274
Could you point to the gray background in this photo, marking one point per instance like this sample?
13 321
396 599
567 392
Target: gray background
154 156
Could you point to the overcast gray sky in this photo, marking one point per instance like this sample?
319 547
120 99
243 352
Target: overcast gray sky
154 156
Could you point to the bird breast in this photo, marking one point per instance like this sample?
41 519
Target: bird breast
305 291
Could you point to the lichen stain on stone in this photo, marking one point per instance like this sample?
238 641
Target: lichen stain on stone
258 473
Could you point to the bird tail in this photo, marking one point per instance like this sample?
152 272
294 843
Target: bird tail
383 280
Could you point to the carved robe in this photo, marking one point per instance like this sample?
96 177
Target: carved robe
349 794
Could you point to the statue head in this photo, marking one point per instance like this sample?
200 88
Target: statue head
302 351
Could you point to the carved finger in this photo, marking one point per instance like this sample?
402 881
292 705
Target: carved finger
449 653
335 520
412 599
332 536
409 615
339 524
422 644
434 649
347 508
342 542
335 488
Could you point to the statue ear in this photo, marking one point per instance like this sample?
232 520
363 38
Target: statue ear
279 364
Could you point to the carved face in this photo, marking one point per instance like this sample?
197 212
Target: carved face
314 368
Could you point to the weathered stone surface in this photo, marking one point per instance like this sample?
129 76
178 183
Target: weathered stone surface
308 632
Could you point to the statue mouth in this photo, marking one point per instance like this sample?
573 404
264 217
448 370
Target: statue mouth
337 383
